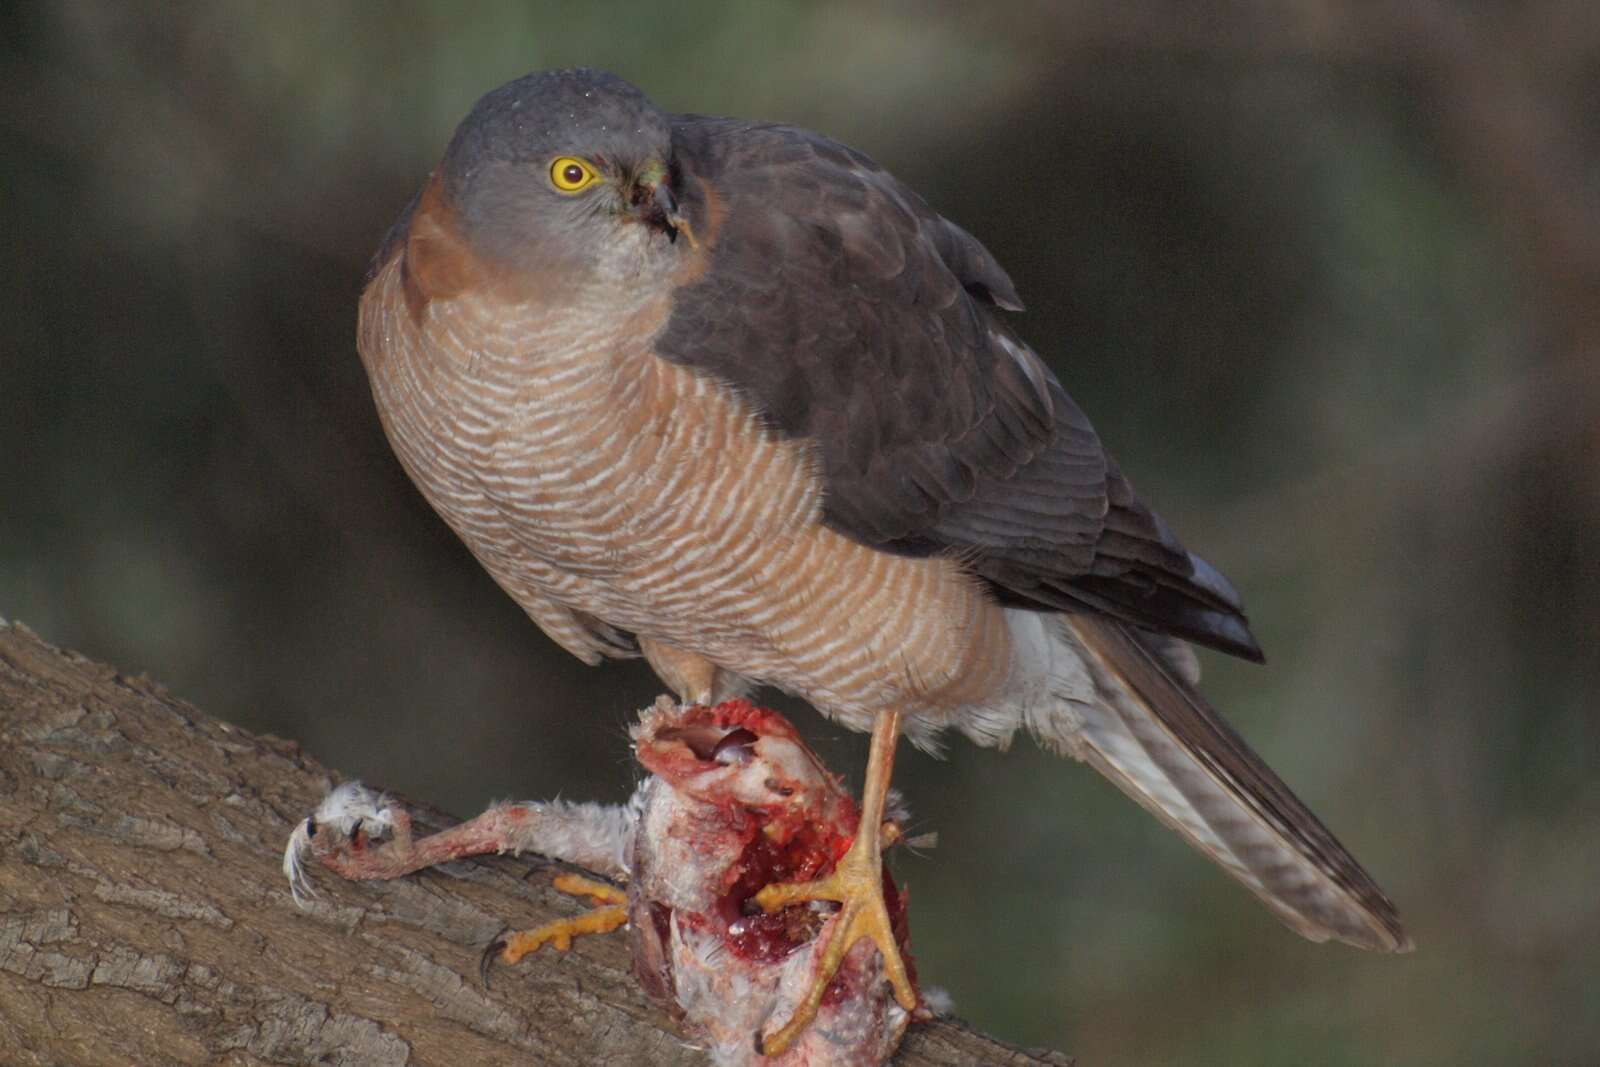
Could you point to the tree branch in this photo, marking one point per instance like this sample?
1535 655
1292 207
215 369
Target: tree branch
144 917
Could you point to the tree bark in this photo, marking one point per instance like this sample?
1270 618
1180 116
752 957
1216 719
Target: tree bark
144 918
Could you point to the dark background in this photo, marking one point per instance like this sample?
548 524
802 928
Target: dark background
1326 276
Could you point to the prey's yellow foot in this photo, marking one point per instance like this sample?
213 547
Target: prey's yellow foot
609 914
857 884
560 933
576 885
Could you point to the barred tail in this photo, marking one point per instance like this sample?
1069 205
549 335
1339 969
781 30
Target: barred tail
1145 727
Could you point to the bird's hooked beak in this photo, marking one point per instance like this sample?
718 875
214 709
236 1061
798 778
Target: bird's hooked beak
655 204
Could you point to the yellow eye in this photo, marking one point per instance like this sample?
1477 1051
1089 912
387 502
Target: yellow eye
572 175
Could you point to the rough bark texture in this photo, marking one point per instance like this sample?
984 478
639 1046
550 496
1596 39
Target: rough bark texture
144 918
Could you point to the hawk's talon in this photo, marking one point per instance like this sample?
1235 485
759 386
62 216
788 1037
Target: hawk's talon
857 885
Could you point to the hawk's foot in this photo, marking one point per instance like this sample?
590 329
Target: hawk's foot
857 885
609 914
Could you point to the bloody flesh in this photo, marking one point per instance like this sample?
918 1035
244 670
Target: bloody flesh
780 842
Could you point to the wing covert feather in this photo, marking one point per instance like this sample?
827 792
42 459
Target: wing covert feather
856 318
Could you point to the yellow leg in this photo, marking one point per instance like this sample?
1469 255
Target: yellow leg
609 914
857 884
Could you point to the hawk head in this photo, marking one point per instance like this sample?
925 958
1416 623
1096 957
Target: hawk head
549 172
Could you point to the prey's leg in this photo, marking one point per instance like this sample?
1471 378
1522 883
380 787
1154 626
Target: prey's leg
363 836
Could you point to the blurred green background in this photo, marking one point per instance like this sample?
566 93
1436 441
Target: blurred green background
1326 276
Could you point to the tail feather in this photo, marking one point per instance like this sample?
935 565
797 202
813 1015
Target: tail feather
1152 734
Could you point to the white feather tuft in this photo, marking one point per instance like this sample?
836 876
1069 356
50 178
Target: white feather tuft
347 807
938 1000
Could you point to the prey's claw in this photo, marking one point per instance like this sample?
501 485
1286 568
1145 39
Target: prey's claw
491 953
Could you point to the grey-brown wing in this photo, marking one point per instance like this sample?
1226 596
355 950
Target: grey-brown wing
856 318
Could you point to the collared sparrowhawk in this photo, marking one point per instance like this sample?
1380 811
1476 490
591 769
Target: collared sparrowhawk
727 394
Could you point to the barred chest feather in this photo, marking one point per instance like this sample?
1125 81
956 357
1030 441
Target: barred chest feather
582 470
